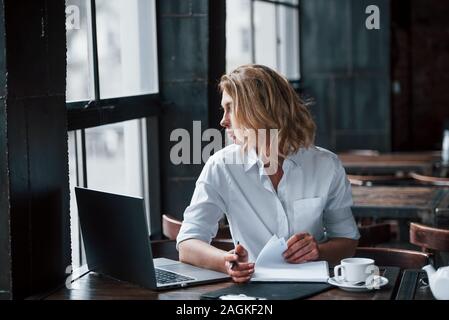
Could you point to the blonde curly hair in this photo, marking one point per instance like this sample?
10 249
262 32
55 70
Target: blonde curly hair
264 99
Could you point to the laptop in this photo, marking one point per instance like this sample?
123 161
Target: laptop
116 239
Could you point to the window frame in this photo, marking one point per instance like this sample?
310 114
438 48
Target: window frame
84 114
96 112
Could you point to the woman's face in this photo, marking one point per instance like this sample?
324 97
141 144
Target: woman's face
233 130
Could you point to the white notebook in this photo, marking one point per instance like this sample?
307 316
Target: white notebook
271 266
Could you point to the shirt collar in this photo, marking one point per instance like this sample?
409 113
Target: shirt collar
252 159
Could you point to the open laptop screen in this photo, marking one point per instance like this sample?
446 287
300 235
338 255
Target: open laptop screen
115 235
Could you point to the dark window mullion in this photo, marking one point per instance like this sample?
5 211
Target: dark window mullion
83 158
95 50
278 36
108 103
299 41
253 33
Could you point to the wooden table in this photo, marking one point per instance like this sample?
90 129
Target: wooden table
98 287
413 286
391 163
402 203
94 286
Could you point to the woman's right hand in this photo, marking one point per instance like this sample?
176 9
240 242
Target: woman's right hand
237 265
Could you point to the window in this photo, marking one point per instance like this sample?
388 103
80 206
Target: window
112 86
264 32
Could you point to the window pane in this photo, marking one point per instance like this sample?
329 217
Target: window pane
288 42
126 36
238 33
114 158
265 32
79 59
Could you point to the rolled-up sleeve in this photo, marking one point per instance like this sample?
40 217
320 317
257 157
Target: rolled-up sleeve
206 208
338 219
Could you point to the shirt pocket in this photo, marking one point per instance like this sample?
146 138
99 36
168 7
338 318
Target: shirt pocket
308 216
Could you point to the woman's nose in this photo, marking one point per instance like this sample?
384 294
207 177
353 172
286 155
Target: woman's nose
224 121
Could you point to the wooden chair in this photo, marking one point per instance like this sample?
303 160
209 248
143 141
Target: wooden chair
429 180
374 234
404 259
429 238
171 226
362 152
432 240
370 180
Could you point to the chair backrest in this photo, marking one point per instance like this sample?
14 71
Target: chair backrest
404 259
363 152
429 238
172 225
374 234
429 180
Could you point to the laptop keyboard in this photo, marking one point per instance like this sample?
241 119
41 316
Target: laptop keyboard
165 277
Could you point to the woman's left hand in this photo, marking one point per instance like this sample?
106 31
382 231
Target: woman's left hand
301 247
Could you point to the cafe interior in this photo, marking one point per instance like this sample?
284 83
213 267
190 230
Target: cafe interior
92 91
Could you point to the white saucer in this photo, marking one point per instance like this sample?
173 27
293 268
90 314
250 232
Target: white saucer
382 281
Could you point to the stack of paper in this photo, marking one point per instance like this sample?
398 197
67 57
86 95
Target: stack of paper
271 266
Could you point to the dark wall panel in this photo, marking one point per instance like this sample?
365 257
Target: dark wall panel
325 36
323 92
5 248
33 142
49 201
345 69
370 48
362 104
191 33
187 61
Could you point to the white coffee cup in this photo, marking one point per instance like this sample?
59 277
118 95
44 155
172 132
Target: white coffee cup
353 270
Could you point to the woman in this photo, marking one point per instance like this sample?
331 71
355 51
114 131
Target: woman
306 199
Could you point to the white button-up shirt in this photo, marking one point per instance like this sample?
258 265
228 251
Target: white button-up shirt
314 196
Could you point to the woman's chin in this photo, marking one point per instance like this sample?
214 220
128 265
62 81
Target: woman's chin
233 140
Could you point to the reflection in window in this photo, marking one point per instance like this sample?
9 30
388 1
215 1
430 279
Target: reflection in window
114 158
126 47
79 54
110 158
114 163
288 24
263 32
238 33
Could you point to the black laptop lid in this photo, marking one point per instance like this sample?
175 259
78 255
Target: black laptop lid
116 237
